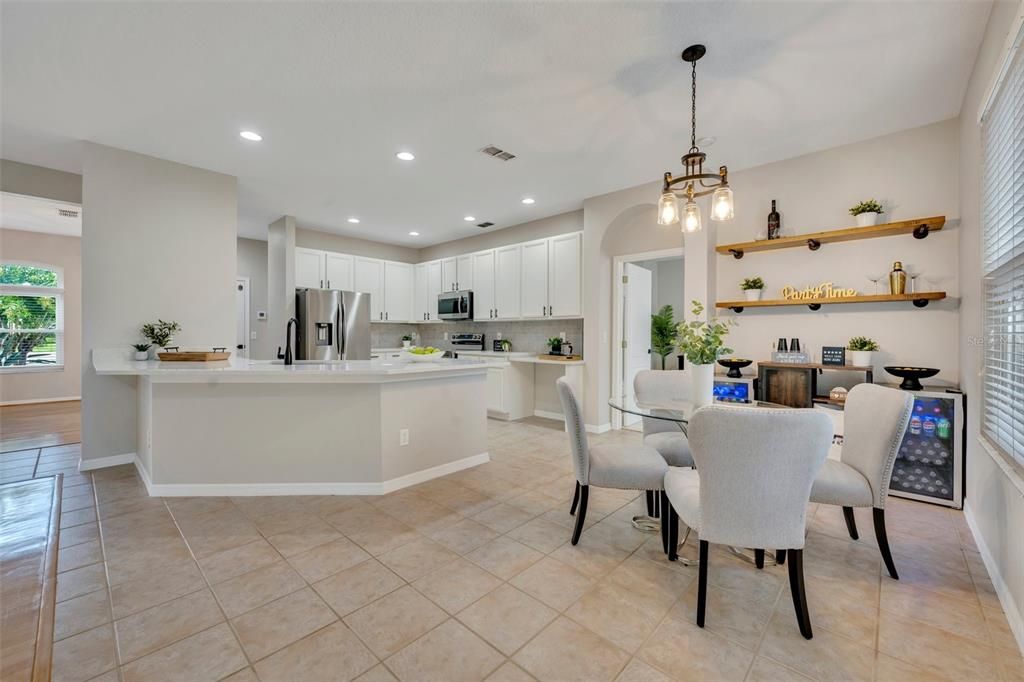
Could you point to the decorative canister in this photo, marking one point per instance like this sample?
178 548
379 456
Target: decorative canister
838 393
897 279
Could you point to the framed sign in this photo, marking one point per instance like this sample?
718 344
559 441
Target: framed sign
833 355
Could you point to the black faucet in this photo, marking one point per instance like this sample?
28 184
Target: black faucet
288 340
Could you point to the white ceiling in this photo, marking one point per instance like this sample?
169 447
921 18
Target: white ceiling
592 97
34 214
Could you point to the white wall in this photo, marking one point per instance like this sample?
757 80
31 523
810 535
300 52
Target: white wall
158 241
280 278
66 253
37 181
995 488
252 263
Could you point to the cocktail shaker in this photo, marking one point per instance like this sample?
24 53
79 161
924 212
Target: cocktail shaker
897 279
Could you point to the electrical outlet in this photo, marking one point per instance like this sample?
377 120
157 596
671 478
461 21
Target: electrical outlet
498 336
403 437
446 336
252 336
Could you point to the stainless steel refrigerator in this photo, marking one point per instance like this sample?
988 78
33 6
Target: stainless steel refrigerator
333 325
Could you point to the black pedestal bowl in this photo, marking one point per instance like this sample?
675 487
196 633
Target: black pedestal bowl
734 365
912 376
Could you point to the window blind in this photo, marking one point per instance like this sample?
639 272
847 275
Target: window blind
1002 216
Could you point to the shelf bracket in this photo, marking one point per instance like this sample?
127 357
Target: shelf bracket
920 302
814 306
921 231
737 309
736 253
813 244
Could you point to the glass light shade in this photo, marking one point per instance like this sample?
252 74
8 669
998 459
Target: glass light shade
691 217
721 204
668 208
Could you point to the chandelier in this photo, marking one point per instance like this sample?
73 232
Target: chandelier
695 182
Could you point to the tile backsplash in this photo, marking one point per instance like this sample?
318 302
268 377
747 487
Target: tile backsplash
526 335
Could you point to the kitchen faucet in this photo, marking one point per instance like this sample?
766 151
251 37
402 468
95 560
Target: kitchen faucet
288 340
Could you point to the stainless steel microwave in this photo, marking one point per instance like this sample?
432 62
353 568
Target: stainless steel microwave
455 305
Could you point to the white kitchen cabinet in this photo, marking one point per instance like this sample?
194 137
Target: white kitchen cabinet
510 391
369 278
398 291
565 295
434 287
449 274
309 268
427 286
507 282
339 271
464 270
483 285
535 273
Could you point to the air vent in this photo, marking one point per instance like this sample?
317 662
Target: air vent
67 213
498 153
485 224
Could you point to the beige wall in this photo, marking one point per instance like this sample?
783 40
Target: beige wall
311 239
252 263
158 241
36 181
535 229
995 488
65 253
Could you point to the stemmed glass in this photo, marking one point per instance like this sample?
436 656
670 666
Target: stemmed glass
875 279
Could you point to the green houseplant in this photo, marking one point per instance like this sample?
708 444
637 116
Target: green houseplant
663 333
141 350
160 333
860 349
866 212
752 287
555 345
703 342
406 340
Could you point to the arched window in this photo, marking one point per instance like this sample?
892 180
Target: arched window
31 316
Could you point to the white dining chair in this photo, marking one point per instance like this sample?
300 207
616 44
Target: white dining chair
755 467
652 386
625 467
875 419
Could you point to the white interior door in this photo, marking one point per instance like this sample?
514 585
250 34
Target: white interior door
242 317
636 351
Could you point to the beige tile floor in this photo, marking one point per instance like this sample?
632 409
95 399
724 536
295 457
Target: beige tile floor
471 577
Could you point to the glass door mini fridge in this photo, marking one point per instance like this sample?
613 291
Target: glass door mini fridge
930 462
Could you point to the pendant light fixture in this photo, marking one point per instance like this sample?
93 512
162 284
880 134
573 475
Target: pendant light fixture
695 182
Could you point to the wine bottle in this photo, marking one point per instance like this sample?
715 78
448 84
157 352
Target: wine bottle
773 223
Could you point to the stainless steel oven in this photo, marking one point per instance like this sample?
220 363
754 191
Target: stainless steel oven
455 305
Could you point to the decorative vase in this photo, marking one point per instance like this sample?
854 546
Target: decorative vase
406 344
142 355
867 219
753 294
859 358
152 352
702 384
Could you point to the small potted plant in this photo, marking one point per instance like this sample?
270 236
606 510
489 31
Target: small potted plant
867 212
555 345
406 341
160 333
752 288
859 350
703 342
141 350
663 333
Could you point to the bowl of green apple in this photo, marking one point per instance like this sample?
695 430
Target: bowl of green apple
424 353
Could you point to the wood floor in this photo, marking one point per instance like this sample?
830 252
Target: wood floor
40 425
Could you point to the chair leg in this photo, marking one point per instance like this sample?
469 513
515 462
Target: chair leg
759 558
581 513
780 557
575 499
650 502
851 523
664 522
883 542
657 505
702 583
796 587
673 531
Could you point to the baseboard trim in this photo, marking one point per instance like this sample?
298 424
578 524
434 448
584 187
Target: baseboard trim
545 414
104 462
39 401
1013 614
599 428
269 489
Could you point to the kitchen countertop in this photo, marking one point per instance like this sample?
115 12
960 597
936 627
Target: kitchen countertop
517 356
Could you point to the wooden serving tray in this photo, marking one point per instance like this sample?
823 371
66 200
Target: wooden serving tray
194 356
564 358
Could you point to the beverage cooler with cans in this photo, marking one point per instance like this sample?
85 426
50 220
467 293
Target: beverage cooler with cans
930 462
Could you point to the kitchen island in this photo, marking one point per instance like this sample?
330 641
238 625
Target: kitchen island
242 427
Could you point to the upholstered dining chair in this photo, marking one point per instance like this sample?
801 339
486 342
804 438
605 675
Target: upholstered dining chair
874 421
755 467
652 385
626 467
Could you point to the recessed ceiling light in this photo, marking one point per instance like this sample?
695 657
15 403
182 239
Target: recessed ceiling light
353 220
528 200
406 156
414 234
251 136
469 219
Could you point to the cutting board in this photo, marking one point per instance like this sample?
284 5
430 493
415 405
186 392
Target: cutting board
194 356
563 358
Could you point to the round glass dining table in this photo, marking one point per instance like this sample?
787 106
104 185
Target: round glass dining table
679 412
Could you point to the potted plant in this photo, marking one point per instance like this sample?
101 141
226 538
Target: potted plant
141 350
555 345
160 333
752 288
406 341
867 212
663 333
703 342
860 349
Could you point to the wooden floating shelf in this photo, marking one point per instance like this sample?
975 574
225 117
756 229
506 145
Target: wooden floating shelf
919 299
919 227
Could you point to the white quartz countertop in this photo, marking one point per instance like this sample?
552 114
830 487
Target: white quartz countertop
115 362
516 356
